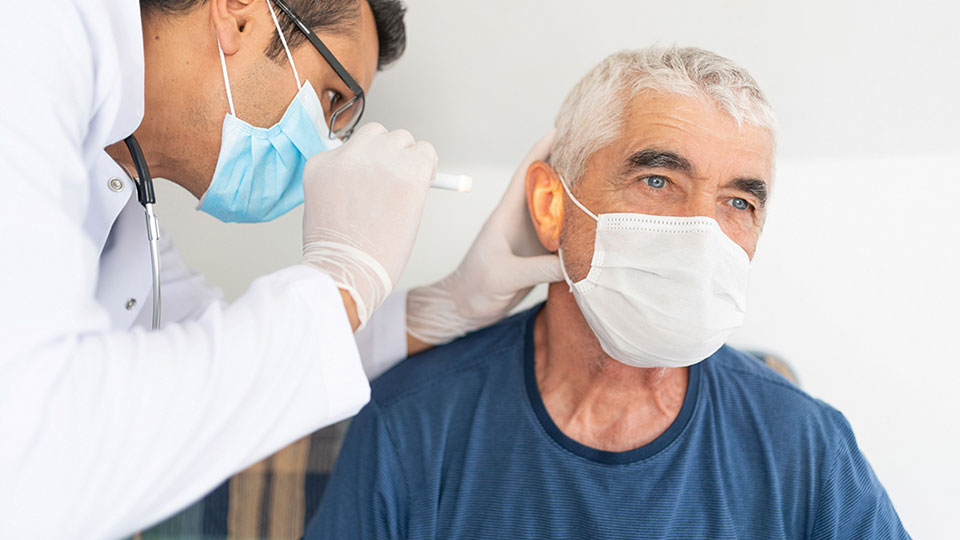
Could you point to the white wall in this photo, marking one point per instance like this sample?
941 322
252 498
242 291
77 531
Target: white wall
855 281
482 79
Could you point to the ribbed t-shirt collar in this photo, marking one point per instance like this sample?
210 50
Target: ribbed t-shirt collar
603 456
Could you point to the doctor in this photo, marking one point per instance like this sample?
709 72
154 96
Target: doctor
107 426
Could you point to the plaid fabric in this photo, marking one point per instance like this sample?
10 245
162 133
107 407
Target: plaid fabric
274 499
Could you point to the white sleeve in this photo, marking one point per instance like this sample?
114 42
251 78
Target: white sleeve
186 295
106 433
383 341
102 433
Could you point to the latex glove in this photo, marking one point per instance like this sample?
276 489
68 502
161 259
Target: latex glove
504 263
362 207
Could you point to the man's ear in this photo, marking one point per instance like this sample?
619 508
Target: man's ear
545 203
232 20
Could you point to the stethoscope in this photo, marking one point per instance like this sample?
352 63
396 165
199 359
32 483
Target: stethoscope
147 198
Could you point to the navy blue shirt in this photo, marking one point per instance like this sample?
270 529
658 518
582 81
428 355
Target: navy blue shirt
456 443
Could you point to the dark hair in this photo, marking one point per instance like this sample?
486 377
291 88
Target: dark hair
320 16
391 31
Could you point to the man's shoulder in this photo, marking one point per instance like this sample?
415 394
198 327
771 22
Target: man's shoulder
746 385
445 370
807 446
750 368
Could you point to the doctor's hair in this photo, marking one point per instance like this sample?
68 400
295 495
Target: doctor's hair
391 30
334 16
592 114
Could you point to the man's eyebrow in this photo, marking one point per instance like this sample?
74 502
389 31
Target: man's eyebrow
753 186
654 158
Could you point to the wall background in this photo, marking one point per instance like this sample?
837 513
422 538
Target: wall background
856 278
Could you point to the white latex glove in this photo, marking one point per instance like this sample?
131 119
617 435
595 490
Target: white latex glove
504 263
362 207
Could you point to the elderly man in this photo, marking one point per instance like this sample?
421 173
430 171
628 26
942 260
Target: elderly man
615 410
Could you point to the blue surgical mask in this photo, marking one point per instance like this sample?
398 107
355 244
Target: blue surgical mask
259 174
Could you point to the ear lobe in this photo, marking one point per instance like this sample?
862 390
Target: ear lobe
545 203
230 20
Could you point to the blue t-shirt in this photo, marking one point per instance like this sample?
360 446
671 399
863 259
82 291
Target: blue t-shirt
456 443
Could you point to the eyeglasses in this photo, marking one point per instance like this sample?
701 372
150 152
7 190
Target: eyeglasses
346 116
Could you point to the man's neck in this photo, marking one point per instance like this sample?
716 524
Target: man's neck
175 83
594 399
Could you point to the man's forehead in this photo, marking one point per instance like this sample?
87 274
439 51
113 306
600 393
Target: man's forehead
369 45
357 47
691 135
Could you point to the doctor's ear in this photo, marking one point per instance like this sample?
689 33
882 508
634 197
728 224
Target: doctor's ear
233 21
545 203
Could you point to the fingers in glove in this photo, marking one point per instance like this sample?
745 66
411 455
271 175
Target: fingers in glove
429 154
372 128
540 151
531 271
404 137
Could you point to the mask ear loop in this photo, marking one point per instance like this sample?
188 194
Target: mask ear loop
563 269
580 205
283 40
226 78
574 199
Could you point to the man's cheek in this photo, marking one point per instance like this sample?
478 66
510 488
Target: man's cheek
577 242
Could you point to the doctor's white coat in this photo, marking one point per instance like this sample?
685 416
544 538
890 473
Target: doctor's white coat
105 427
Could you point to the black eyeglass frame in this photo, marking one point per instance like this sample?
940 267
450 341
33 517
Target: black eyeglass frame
341 72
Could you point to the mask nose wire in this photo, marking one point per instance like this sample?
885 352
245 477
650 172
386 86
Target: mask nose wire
283 40
574 199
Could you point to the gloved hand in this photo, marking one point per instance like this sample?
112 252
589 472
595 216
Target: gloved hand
504 263
362 207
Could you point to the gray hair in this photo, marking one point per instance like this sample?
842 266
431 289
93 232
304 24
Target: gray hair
591 116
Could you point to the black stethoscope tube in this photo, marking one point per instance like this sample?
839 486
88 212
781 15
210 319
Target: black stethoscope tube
144 181
147 198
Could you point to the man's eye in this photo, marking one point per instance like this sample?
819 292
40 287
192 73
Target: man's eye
334 98
656 182
740 204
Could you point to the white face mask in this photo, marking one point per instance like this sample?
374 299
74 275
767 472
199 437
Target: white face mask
662 291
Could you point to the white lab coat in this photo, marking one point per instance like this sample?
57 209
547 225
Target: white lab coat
105 427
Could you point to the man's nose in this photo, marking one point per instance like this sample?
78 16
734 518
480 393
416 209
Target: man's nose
698 204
